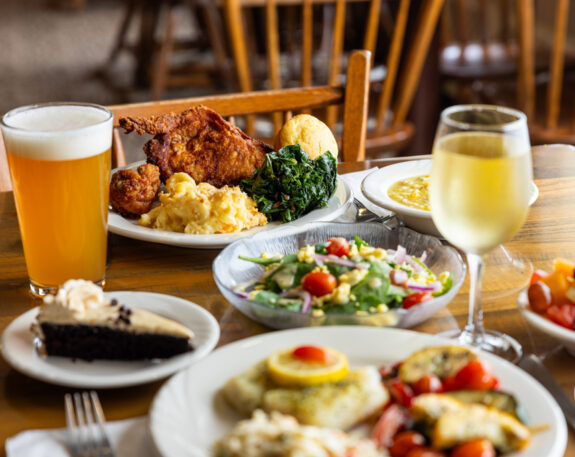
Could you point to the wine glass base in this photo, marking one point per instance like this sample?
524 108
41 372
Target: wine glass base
496 343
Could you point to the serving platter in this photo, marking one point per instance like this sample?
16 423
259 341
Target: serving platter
22 352
189 414
129 228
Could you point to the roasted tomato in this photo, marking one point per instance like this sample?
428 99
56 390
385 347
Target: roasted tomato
424 452
404 442
319 283
312 354
338 246
400 392
427 384
415 299
477 447
392 420
476 375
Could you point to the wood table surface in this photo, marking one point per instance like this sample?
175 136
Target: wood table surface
549 232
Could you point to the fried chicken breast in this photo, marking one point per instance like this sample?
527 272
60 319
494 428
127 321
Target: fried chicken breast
201 143
132 192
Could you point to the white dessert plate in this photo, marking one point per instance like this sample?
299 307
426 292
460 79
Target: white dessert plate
130 228
20 350
376 185
189 414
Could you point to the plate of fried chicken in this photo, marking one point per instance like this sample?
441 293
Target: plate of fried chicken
200 143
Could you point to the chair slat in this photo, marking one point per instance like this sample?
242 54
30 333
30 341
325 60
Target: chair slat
557 64
241 103
307 43
393 59
356 104
273 53
335 57
426 24
526 86
372 29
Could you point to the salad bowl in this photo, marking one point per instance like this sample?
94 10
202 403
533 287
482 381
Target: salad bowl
232 273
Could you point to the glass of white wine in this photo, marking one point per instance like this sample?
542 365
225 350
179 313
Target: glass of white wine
479 196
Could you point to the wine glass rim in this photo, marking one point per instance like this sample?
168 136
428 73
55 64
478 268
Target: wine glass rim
521 118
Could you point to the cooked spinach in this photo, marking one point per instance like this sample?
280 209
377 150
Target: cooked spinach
290 184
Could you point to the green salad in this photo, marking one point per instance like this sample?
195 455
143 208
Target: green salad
290 184
341 276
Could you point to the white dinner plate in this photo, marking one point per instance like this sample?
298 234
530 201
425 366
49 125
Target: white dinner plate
375 186
189 414
130 228
20 351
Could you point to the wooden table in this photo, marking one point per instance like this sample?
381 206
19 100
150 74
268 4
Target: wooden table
29 404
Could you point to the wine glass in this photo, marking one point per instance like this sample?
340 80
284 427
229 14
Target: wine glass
479 196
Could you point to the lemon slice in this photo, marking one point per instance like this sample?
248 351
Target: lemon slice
289 371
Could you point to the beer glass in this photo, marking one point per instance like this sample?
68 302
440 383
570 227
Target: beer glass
479 194
59 160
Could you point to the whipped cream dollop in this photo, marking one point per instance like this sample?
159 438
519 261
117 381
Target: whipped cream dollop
78 296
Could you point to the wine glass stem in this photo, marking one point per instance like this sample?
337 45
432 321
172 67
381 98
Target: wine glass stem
473 333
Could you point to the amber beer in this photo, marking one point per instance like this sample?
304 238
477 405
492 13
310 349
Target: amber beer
59 160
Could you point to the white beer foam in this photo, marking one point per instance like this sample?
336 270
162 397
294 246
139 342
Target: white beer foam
64 132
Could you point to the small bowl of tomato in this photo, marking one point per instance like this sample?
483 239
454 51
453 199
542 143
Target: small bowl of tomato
548 303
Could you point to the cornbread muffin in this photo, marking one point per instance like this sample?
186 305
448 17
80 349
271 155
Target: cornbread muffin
310 133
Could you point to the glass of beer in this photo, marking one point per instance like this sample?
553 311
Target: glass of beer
479 195
59 160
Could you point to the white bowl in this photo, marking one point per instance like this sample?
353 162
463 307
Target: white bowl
563 335
375 187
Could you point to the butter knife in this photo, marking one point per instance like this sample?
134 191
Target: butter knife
533 365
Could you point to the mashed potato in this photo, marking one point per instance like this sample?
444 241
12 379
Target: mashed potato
202 208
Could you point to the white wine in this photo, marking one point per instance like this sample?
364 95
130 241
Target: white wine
479 189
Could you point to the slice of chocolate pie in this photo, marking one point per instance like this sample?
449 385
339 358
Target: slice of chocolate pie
79 322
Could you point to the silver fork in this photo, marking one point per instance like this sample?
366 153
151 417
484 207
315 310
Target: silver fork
85 422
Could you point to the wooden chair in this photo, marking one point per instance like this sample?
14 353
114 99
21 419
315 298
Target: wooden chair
353 97
536 76
394 97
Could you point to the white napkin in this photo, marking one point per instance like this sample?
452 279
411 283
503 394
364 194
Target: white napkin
129 438
354 181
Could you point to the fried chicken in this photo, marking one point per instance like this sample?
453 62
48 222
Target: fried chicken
200 143
133 193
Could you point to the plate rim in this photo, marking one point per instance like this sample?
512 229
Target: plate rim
36 368
116 224
558 443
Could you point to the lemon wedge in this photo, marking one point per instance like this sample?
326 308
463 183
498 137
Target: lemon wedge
289 371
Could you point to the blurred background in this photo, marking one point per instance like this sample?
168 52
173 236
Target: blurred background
432 53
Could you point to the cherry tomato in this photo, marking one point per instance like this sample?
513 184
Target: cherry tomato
563 315
319 283
449 384
540 297
338 246
389 371
476 375
312 354
400 392
404 442
415 299
424 452
477 447
392 420
537 275
428 383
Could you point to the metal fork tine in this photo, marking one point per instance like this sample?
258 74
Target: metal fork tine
85 421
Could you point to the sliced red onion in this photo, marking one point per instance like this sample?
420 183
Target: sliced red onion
400 255
321 259
434 286
241 294
414 264
306 297
423 256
